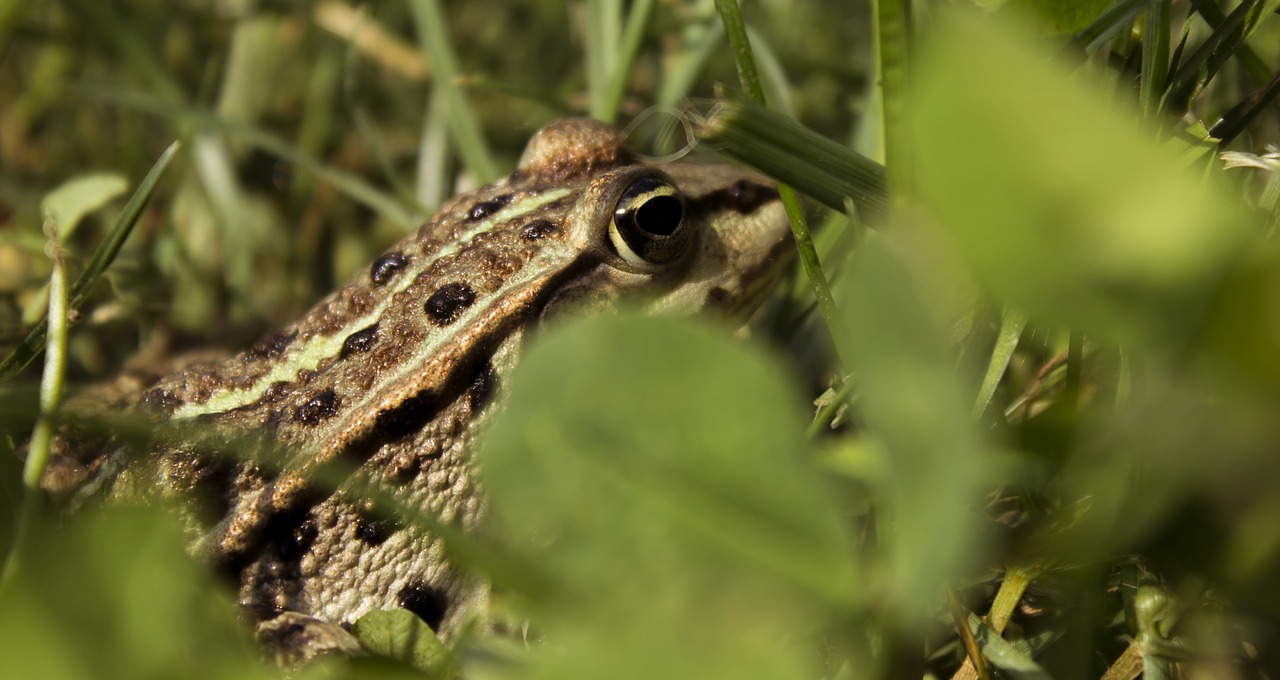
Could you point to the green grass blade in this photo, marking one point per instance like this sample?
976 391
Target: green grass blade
603 27
1012 322
773 74
1110 24
1155 56
429 20
736 29
352 186
685 67
1253 64
893 25
813 267
102 257
749 76
1116 77
975 664
367 130
784 149
50 398
432 186
1241 115
1183 36
1227 37
610 100
1014 662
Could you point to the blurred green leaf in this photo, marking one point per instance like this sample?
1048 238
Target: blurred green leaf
1060 204
682 530
918 406
116 596
1063 17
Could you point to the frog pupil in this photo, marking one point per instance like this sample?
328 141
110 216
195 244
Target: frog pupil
660 215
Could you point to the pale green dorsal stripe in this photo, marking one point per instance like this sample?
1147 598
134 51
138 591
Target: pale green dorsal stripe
307 356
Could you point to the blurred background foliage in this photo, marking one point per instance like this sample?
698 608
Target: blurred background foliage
1053 385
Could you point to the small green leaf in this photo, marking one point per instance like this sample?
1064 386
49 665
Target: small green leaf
1016 663
401 635
75 198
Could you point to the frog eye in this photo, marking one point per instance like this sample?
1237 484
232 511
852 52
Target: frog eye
648 225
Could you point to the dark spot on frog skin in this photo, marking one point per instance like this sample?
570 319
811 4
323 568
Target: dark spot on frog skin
270 346
746 195
386 267
403 468
159 402
449 302
373 528
290 530
718 298
394 424
538 230
429 604
409 417
209 478
263 611
284 537
321 406
296 544
359 342
743 197
276 391
216 487
484 209
482 387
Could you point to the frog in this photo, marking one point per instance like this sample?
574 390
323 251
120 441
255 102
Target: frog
390 379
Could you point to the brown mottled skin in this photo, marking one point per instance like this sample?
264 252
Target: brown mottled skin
391 375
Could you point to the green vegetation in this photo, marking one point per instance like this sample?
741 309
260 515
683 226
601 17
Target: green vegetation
1049 442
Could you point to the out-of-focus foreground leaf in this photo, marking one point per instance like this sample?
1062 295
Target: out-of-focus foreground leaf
1063 207
682 530
116 596
1062 204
